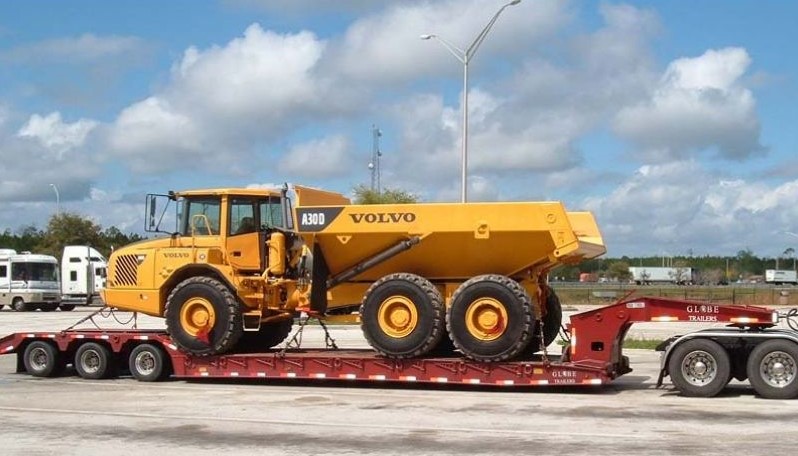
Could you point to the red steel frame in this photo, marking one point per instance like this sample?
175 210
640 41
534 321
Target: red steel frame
594 356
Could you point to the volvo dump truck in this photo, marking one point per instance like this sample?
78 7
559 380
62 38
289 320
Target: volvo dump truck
242 262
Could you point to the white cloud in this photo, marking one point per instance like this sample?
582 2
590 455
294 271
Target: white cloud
699 103
384 48
327 157
681 205
81 49
223 100
55 134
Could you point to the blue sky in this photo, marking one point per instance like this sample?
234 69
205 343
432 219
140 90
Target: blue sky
671 121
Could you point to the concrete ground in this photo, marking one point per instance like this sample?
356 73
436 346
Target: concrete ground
68 415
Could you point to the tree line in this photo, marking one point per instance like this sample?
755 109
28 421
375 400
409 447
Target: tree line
710 269
66 229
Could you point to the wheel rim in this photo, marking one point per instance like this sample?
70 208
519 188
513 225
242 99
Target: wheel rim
196 315
397 316
486 319
778 369
145 363
699 368
38 358
90 361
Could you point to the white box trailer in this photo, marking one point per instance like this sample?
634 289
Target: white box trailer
28 281
643 275
781 277
83 275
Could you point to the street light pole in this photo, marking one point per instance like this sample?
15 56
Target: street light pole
465 57
57 200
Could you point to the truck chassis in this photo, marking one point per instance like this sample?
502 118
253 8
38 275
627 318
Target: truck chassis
699 363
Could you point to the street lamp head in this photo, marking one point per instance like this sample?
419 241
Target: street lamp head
426 36
515 2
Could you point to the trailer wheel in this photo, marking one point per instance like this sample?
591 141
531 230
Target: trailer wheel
203 317
93 361
490 318
551 323
67 307
148 363
19 305
699 368
773 369
42 359
402 315
269 335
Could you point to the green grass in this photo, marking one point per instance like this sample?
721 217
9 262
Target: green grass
645 344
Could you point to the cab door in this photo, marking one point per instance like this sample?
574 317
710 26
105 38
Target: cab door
244 237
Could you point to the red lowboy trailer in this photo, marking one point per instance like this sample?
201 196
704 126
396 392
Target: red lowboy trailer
699 363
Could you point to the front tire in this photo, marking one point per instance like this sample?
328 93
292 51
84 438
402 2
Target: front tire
203 317
402 316
773 369
699 368
94 361
41 359
148 363
490 318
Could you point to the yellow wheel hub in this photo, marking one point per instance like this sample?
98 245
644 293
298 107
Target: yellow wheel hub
397 316
486 319
197 315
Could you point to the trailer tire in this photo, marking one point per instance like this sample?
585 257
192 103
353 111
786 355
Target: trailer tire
402 316
773 369
699 368
270 335
94 361
67 307
19 305
203 316
42 359
490 318
148 363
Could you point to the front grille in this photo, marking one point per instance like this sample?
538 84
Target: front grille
124 271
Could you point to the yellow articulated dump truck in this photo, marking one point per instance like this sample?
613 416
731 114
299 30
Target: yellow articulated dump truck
428 278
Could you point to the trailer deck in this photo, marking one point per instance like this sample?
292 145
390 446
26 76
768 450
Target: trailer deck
591 354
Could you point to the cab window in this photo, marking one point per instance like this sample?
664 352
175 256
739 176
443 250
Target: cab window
271 213
201 216
242 216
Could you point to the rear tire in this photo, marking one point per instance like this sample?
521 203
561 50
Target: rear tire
551 324
19 305
402 316
42 359
699 368
67 307
270 335
490 318
773 369
148 363
94 361
203 317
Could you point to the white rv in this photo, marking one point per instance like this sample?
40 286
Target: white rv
83 275
28 281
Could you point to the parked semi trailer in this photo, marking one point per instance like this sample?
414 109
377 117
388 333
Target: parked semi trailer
241 263
699 363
